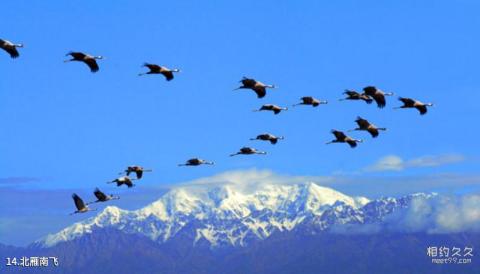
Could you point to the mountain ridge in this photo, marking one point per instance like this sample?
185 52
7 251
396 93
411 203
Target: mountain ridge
225 215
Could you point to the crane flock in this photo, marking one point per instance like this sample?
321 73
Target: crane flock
369 95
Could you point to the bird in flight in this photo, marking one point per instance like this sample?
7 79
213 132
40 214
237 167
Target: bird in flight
10 48
156 69
268 137
80 205
309 100
411 103
102 197
353 95
124 180
377 95
365 125
138 170
340 137
258 87
89 60
276 109
196 162
248 151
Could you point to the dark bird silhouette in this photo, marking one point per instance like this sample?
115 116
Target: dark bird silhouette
268 137
276 109
340 137
377 95
258 87
309 100
367 126
89 60
124 180
138 170
80 205
411 103
10 48
353 95
102 197
156 69
248 151
196 162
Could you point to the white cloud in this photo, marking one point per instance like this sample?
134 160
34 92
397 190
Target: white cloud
440 214
396 163
247 180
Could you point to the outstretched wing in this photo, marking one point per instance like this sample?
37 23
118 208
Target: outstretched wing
260 91
129 183
380 99
422 109
351 93
92 64
9 48
194 161
339 135
407 101
79 204
77 55
352 143
370 90
307 99
152 67
362 123
100 195
139 173
168 75
248 82
246 150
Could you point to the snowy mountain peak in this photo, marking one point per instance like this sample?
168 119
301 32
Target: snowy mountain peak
230 215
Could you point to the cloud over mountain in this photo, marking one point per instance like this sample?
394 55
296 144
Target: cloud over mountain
396 163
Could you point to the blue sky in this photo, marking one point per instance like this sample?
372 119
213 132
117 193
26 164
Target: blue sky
68 129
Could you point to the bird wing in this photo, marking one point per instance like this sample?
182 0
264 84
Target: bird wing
10 49
247 82
246 150
339 135
370 90
194 161
100 195
139 173
79 204
168 75
77 55
351 93
307 99
92 64
352 143
362 123
373 131
380 99
152 67
260 91
128 183
422 109
407 101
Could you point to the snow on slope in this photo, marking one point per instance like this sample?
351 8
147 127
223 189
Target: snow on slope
224 215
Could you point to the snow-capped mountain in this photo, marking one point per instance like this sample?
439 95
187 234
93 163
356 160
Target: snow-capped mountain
225 215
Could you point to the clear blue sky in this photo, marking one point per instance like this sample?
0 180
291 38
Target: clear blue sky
72 129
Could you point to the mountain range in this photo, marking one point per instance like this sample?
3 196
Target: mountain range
272 228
